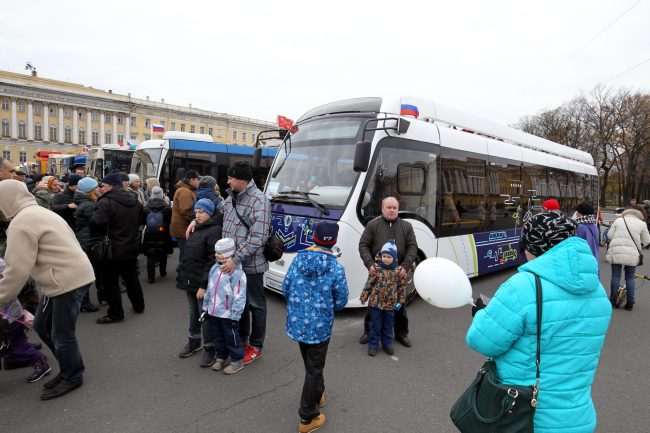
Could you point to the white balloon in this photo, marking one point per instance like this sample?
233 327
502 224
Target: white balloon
442 283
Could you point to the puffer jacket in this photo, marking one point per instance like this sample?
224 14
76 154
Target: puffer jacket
44 197
85 208
194 269
314 287
158 242
384 290
575 317
623 249
225 296
182 209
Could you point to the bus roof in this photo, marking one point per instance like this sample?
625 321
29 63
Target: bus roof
202 146
170 135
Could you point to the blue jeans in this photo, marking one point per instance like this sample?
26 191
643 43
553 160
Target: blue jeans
181 248
629 281
226 338
55 323
198 329
252 325
381 327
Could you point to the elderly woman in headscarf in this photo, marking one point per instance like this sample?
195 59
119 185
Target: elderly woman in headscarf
575 318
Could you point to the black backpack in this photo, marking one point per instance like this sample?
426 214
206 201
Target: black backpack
155 222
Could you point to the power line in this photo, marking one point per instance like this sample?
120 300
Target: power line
568 59
629 70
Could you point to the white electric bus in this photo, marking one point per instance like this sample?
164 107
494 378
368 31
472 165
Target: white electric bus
464 183
168 159
107 157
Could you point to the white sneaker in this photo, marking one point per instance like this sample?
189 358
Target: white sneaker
234 367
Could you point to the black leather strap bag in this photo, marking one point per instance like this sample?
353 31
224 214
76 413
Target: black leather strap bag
273 248
490 407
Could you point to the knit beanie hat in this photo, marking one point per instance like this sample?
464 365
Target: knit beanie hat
157 192
87 184
326 233
133 178
241 170
389 248
74 179
225 247
545 230
205 205
207 182
124 177
551 204
112 178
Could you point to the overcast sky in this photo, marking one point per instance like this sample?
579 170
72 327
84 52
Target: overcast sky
499 60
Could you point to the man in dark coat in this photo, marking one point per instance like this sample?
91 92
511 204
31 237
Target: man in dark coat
63 202
377 232
119 214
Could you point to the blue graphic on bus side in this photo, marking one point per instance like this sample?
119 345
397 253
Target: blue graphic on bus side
295 232
497 250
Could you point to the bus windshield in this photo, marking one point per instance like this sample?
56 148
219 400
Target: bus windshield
315 163
149 160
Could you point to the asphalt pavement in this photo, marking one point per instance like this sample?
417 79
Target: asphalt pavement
135 382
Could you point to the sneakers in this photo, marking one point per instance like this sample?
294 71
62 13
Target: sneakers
372 352
389 350
251 354
41 369
209 356
314 424
193 345
322 400
218 364
233 367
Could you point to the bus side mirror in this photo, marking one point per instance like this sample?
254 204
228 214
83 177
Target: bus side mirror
361 156
257 158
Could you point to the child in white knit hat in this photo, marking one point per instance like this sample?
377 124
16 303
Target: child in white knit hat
224 303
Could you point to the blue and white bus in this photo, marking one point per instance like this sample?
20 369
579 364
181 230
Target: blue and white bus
465 184
168 159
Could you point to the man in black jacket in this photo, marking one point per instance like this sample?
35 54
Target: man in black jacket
63 202
119 214
377 232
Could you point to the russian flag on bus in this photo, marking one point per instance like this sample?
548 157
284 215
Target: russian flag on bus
157 128
409 110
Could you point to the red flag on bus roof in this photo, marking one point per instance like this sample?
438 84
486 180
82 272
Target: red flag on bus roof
284 122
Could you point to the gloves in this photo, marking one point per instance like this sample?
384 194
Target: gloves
479 305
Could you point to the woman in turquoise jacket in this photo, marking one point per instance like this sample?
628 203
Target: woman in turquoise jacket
575 317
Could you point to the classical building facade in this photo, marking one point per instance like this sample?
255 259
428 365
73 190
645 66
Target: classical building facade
42 114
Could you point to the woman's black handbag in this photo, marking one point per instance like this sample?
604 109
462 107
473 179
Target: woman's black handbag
100 249
492 407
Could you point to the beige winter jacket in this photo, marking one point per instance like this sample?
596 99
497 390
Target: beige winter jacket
623 249
40 244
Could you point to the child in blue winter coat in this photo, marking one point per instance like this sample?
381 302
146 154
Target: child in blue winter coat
224 302
314 288
385 293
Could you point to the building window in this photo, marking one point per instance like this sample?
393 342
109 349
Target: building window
120 119
173 126
162 122
147 123
94 116
147 136
5 127
53 136
134 136
38 131
22 130
53 111
107 118
218 133
108 138
82 115
252 138
182 127
67 113
5 105
37 109
210 131
202 130
95 137
6 154
243 136
22 156
120 137
68 135
21 106
234 136
192 130
133 122
82 136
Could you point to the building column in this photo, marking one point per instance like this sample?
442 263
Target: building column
101 128
127 126
75 126
89 127
46 122
61 130
14 120
114 135
30 121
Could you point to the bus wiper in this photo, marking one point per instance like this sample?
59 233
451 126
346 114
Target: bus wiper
287 151
306 195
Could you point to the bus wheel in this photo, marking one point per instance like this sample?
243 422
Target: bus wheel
411 293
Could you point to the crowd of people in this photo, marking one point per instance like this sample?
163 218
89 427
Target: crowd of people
46 231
